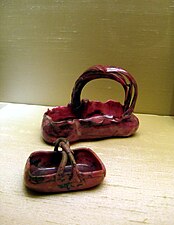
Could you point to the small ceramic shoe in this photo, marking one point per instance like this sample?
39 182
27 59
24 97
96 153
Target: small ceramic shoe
63 170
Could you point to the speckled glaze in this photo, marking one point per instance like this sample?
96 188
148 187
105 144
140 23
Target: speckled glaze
87 120
66 170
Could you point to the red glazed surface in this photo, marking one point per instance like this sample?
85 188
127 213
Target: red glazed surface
47 171
86 120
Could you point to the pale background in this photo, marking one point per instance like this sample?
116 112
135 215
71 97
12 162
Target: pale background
45 45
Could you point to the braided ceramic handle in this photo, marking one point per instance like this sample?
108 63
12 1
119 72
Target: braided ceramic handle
115 73
67 153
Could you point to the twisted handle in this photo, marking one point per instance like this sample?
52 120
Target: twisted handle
66 153
115 73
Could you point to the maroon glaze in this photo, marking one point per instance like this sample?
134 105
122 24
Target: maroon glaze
65 170
86 120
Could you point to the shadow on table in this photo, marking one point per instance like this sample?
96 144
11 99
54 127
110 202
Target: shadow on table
33 194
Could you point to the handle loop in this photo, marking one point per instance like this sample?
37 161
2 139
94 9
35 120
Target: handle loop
66 153
115 73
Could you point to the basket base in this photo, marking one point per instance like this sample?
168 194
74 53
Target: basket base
99 120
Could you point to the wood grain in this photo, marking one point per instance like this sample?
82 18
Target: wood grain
138 188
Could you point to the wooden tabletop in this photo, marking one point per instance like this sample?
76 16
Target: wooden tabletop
138 188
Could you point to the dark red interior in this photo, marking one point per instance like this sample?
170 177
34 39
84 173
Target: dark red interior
44 163
90 109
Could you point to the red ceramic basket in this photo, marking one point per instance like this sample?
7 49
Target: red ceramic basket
66 170
87 120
